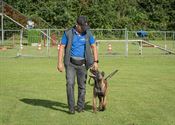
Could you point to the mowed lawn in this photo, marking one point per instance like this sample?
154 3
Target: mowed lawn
33 92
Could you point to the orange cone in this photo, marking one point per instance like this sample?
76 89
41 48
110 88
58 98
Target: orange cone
21 46
58 46
109 48
39 46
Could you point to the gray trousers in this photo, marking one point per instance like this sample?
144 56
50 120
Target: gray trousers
71 72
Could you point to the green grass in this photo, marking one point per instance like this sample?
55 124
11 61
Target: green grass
32 92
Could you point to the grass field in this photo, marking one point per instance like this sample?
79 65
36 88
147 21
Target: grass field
32 92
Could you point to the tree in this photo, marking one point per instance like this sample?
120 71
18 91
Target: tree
133 14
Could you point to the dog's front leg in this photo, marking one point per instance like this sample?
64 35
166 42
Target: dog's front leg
94 104
100 103
104 103
105 100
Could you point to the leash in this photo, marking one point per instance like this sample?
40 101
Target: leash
110 75
89 82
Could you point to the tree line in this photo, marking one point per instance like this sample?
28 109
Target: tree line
106 14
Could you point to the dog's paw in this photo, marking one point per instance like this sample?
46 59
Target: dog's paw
94 110
102 108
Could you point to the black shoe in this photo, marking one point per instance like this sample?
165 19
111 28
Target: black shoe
80 110
72 112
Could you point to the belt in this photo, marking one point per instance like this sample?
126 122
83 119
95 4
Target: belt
77 62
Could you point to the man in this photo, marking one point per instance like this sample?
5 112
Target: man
76 45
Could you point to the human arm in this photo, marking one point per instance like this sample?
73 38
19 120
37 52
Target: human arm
63 43
60 65
95 54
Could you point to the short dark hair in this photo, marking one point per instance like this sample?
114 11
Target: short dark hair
82 21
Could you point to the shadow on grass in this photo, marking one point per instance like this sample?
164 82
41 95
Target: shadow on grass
51 104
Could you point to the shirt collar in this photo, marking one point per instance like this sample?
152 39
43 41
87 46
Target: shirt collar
75 31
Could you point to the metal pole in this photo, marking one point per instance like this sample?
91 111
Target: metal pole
140 47
165 40
21 35
49 44
48 35
13 39
126 42
2 23
47 41
173 40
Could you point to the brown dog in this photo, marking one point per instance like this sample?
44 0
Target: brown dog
99 90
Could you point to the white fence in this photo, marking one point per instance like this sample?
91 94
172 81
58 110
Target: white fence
110 42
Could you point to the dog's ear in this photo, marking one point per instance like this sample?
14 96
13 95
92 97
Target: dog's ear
103 73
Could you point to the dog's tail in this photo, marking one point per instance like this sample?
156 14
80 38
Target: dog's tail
110 75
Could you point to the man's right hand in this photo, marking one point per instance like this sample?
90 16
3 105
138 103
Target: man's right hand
60 67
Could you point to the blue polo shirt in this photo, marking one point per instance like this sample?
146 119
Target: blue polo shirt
78 43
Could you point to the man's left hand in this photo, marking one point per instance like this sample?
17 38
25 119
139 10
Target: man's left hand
95 66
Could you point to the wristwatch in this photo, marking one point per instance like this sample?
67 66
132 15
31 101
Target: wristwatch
96 61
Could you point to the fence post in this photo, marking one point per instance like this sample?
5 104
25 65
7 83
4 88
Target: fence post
48 41
141 47
165 40
173 40
21 34
2 24
126 42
